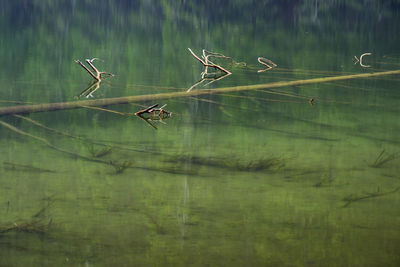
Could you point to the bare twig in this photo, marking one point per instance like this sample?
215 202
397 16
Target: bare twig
146 110
154 111
96 74
361 60
266 62
207 63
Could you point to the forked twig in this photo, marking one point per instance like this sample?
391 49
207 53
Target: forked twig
152 113
207 63
361 60
205 75
96 74
266 62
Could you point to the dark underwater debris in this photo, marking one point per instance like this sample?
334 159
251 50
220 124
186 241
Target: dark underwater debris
33 226
357 197
326 180
10 166
264 164
38 223
383 158
120 167
159 228
98 152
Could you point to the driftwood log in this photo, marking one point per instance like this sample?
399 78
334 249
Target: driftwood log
153 97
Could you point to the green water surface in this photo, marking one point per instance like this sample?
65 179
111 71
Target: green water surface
252 178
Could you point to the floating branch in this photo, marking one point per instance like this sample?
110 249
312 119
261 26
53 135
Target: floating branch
146 110
266 62
353 198
96 74
154 112
361 60
153 97
206 75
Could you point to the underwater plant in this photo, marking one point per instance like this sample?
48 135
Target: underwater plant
383 158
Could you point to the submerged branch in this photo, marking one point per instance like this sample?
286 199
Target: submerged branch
47 143
353 198
383 158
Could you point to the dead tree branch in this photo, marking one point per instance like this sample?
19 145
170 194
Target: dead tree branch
266 62
361 60
153 97
353 198
207 63
96 74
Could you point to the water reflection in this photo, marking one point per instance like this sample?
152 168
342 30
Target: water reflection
88 92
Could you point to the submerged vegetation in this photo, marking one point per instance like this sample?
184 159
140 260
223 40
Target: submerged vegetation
98 152
121 166
350 199
10 166
264 164
383 158
32 226
38 223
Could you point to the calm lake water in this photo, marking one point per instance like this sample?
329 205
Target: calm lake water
251 178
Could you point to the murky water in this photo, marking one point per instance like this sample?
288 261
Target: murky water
252 178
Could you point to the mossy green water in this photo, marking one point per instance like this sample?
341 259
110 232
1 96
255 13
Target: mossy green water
240 179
